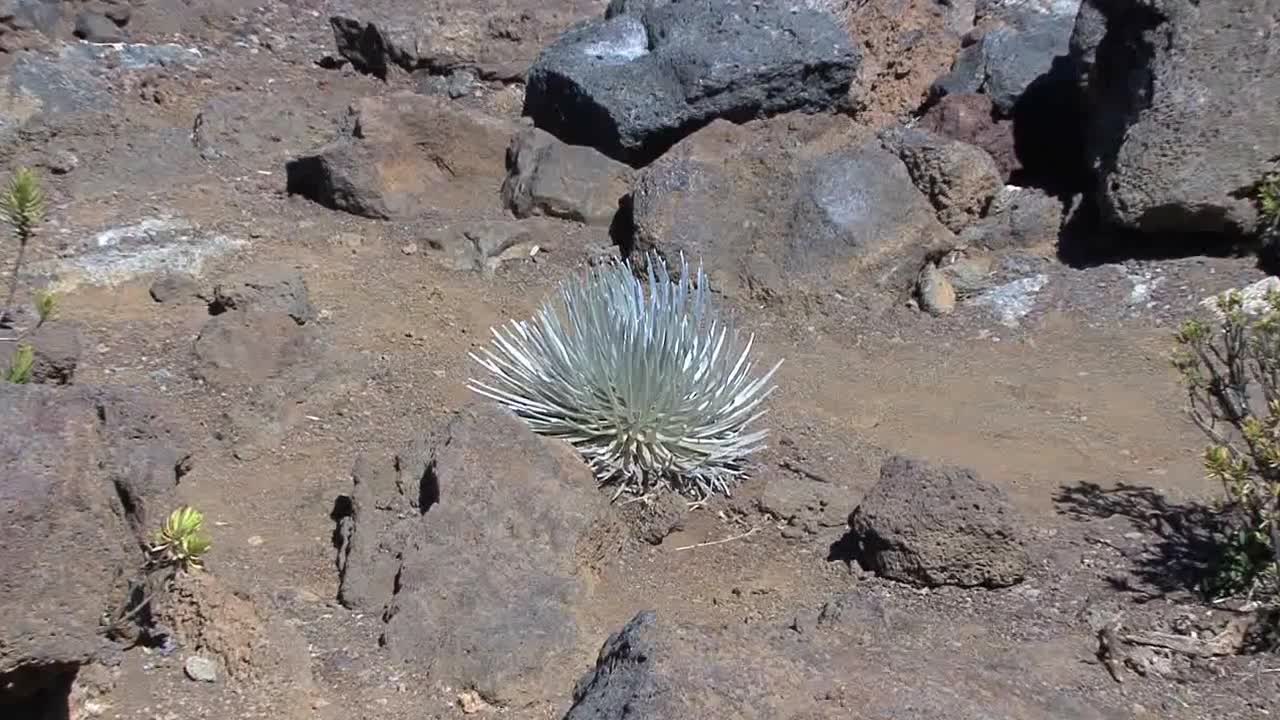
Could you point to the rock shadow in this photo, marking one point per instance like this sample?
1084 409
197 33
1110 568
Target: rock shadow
1187 549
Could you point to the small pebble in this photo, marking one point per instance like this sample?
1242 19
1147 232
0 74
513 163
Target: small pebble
201 669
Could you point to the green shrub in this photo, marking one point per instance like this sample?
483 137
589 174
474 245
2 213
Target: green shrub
1231 370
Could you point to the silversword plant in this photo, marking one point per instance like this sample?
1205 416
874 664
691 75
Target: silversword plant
644 379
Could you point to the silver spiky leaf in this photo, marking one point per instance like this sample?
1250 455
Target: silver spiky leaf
653 388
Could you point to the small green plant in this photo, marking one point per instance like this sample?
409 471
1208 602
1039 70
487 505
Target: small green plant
180 542
21 365
1267 194
22 208
1231 371
46 306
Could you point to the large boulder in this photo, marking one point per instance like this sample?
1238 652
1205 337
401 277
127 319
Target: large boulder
934 526
633 85
88 472
474 546
402 155
771 220
1181 98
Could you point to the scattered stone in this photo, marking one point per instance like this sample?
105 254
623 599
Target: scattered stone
174 287
931 526
118 11
936 294
807 506
404 155
652 521
95 27
1017 218
970 118
269 288
201 669
633 85
958 178
969 272
471 703
1178 131
484 246
470 538
62 162
574 182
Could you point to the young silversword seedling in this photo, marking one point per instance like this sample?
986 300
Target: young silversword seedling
180 542
653 388
22 208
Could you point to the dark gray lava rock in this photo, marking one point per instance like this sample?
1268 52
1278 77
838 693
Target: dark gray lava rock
1018 42
475 540
1181 97
87 472
174 288
574 182
657 671
633 85
269 288
934 526
1017 218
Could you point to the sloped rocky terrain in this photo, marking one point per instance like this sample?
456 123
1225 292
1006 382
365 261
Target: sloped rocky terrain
277 228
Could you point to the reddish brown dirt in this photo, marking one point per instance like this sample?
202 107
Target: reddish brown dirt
1082 393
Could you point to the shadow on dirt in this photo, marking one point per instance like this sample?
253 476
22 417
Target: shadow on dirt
1187 544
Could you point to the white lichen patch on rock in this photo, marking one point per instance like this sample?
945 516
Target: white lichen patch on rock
119 254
